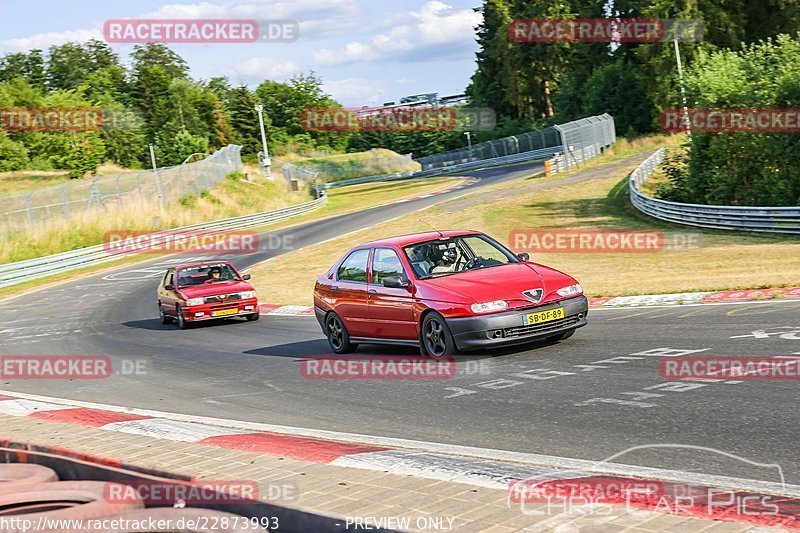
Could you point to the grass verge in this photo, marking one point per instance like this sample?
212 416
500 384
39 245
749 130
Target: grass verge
593 198
342 200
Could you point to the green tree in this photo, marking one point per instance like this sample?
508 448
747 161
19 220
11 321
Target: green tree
618 89
67 67
174 149
13 155
244 121
742 168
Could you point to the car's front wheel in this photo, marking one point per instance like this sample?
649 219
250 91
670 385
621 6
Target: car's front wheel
163 316
338 337
436 337
182 323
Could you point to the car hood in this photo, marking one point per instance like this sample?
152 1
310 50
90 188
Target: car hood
505 282
211 289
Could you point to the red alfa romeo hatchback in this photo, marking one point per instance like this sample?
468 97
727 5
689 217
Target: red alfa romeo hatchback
444 292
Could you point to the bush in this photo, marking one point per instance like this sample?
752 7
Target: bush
13 155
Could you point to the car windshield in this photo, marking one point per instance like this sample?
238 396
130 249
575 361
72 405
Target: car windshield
444 257
203 274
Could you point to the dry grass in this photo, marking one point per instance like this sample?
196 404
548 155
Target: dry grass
227 199
723 261
341 200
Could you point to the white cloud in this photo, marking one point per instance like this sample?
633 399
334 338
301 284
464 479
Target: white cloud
259 69
43 41
317 18
355 91
436 30
352 53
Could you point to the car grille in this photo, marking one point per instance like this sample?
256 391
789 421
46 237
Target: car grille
223 298
540 329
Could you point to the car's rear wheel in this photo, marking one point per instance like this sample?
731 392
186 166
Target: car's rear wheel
165 319
436 337
253 317
338 338
182 323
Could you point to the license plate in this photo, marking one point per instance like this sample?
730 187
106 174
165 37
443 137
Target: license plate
225 312
543 316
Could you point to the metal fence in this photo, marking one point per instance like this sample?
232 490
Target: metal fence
730 217
107 191
41 267
584 138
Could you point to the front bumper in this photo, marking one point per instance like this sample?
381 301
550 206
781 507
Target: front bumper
198 313
506 329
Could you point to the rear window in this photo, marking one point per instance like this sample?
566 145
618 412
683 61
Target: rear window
354 268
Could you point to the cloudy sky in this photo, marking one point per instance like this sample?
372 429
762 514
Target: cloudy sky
366 51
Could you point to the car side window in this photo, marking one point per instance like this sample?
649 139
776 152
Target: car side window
385 263
354 268
168 278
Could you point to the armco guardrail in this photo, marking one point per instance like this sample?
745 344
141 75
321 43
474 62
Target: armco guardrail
22 271
730 217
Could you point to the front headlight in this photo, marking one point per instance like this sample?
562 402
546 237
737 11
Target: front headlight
488 307
194 301
246 295
572 290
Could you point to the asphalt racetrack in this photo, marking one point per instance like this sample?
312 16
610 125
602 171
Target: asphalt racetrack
589 397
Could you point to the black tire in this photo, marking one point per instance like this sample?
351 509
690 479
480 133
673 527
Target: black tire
436 339
338 338
182 323
253 317
162 315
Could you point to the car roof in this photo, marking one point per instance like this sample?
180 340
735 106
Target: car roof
413 238
201 263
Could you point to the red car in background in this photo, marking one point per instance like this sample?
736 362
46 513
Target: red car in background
205 291
444 292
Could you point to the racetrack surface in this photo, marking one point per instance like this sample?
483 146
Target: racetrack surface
589 397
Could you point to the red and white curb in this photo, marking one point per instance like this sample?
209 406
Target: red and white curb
286 310
644 300
495 469
693 298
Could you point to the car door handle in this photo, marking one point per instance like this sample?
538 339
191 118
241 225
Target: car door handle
335 288
372 291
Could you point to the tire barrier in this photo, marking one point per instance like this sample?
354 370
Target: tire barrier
13 476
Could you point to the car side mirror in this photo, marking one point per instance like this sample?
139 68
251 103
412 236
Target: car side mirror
169 287
246 277
395 282
524 257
